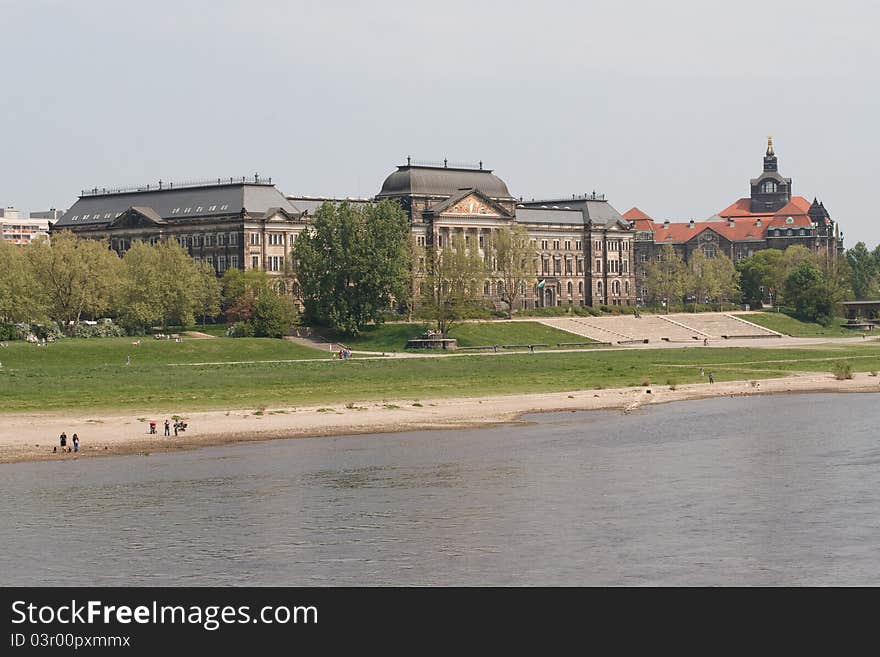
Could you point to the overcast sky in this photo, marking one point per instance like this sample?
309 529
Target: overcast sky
662 105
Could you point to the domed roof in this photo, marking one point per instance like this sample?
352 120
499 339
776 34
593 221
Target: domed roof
442 181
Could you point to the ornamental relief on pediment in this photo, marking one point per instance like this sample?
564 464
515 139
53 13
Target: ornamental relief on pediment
472 205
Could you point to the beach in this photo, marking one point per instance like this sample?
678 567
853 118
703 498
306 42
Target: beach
32 436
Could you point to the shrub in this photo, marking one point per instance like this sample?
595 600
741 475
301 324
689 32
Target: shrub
241 330
842 370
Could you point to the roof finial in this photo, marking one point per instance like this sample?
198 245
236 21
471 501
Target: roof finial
444 162
770 145
407 160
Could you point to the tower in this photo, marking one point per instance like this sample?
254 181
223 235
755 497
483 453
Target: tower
770 192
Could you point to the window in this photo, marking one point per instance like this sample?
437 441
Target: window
209 260
581 288
107 216
599 287
420 240
221 263
789 220
567 245
643 257
197 240
545 265
570 288
486 288
555 245
598 264
255 239
577 245
233 261
568 266
709 251
233 239
187 210
255 262
221 239
615 287
557 265
769 187
543 245
224 206
482 241
440 240
212 208
626 287
625 264
580 266
175 211
199 209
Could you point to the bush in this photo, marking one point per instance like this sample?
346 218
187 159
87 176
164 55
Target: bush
241 330
842 370
105 329
9 332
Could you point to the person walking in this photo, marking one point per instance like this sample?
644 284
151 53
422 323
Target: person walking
711 378
167 427
702 372
176 424
75 443
63 440
705 342
128 360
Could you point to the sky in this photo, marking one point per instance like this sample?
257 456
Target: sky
661 105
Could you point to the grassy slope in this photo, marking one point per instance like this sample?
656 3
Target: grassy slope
91 374
393 337
788 325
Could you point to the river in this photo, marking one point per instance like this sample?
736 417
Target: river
768 490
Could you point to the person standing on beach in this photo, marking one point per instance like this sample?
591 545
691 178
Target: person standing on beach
711 378
75 443
176 424
63 440
167 428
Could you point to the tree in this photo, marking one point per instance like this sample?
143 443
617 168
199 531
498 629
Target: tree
21 298
208 291
79 276
274 315
236 283
765 269
668 279
724 279
453 281
864 267
511 249
702 283
162 284
353 264
806 291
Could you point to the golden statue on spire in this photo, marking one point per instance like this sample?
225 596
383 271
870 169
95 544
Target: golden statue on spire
770 145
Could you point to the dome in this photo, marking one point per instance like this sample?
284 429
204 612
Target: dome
442 181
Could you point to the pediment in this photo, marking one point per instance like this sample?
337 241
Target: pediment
137 217
471 203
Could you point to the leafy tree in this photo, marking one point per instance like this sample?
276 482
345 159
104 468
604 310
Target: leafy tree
806 291
274 315
724 278
864 267
511 249
79 276
208 291
21 298
765 269
453 281
162 284
668 279
353 264
235 283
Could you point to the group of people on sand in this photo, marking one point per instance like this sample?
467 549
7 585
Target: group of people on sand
343 354
179 425
65 448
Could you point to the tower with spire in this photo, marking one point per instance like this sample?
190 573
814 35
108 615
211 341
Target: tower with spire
770 191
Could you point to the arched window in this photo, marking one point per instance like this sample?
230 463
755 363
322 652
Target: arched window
769 187
570 288
615 287
626 287
599 287
486 288
581 288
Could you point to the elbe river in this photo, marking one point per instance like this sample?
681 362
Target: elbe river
770 490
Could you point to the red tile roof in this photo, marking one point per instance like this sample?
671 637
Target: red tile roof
797 205
742 230
634 214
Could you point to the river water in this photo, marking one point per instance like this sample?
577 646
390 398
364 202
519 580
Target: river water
771 490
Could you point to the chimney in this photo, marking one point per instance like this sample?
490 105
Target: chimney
666 224
730 223
758 222
691 223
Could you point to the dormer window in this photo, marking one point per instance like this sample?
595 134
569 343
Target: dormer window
769 187
789 220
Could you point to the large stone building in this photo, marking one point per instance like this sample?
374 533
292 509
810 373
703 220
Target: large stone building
582 245
17 229
245 223
769 218
585 251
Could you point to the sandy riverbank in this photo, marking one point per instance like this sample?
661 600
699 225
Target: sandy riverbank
31 436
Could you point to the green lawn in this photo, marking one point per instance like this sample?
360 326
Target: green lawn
393 337
788 325
92 375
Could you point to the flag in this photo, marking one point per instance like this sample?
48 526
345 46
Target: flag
541 284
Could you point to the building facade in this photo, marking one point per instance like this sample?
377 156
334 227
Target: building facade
17 229
769 218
